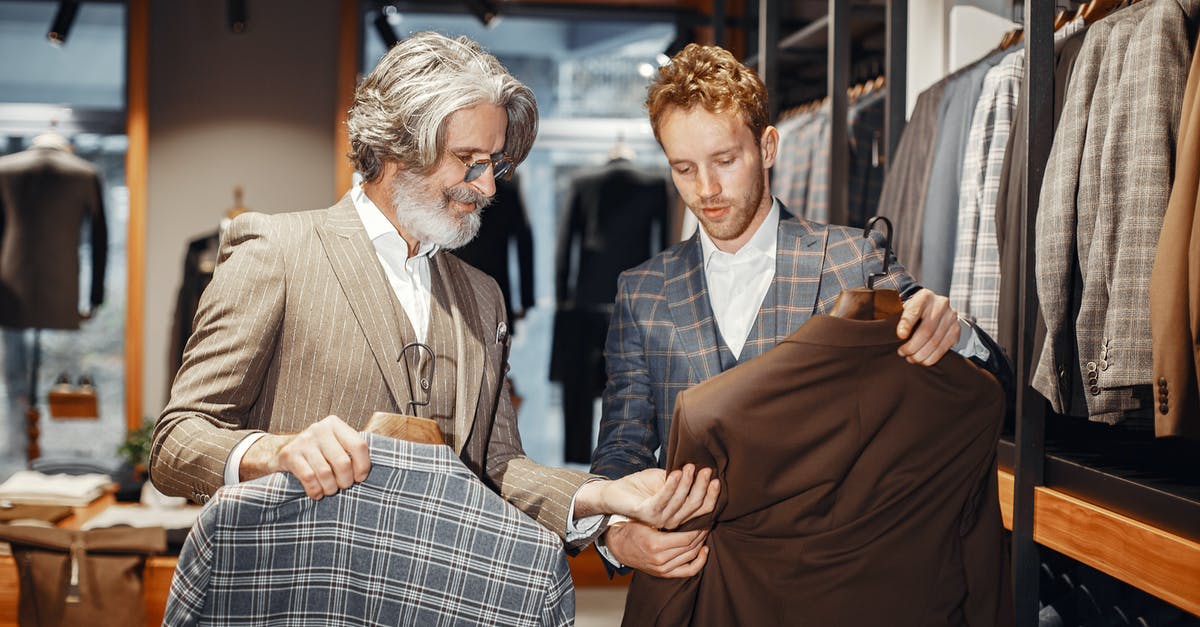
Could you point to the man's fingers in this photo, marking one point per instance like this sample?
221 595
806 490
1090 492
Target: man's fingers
675 494
939 344
356 447
322 470
912 313
690 568
338 460
692 505
303 472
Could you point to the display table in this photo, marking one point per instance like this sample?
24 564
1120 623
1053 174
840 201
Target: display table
157 577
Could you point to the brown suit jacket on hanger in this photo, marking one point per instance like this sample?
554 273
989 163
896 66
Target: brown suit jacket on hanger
300 322
46 196
1175 283
857 489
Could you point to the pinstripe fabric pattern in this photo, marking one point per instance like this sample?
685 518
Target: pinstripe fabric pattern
663 340
975 282
420 542
300 323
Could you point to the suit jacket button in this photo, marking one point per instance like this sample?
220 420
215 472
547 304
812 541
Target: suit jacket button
1163 408
1091 366
1095 390
1162 382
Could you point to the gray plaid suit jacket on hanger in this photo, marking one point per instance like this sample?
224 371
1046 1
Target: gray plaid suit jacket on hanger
421 542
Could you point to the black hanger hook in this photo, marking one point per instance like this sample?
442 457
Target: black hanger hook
887 248
426 383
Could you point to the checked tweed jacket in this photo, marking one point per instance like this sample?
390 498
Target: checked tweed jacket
421 542
663 338
300 322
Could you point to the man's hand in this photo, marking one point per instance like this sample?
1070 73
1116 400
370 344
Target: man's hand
938 331
658 553
326 457
653 496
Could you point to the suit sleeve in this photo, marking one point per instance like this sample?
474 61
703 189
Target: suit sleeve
224 365
628 433
524 235
98 245
544 493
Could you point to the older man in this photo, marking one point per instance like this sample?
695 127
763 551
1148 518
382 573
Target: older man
302 333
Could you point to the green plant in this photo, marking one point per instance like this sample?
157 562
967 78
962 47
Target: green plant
136 448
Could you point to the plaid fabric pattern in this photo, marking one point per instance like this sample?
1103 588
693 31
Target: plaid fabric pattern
800 176
975 282
1056 218
421 542
1137 166
663 340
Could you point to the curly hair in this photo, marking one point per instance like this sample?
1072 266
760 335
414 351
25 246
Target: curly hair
711 77
400 109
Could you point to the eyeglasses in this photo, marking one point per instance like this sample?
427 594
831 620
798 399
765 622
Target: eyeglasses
501 165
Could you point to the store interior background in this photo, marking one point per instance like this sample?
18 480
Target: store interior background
259 109
256 109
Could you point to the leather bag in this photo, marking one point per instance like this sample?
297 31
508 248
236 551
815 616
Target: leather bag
71 578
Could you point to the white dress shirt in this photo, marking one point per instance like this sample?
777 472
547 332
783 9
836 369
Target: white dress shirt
738 282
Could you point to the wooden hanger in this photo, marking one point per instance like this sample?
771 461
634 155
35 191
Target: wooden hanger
1097 9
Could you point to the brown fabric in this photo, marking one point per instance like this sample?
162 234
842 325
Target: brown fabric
407 428
857 489
1175 283
46 513
105 564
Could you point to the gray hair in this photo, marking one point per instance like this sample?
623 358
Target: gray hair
400 109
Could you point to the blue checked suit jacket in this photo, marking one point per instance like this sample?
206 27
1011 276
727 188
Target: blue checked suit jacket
421 542
663 338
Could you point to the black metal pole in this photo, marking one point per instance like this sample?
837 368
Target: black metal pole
1031 408
897 76
768 50
839 83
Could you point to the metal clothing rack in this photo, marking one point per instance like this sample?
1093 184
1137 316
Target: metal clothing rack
1146 536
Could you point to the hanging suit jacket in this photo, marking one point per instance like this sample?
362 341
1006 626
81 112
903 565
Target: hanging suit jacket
195 277
300 322
617 217
1124 185
1175 283
663 338
46 197
420 542
505 221
845 500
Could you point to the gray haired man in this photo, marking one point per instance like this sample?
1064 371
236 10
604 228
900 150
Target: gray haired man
300 335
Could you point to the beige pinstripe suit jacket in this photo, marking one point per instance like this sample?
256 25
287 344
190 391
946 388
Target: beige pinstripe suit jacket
299 322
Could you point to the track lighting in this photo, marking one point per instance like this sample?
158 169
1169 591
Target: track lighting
236 12
63 19
485 10
383 26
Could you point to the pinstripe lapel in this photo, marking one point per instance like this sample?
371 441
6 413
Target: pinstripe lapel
468 341
687 296
366 288
799 256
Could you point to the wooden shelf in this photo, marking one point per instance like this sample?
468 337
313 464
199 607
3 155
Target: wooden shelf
1146 557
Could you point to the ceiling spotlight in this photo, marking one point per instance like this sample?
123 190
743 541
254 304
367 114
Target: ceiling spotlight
62 22
485 10
383 26
236 12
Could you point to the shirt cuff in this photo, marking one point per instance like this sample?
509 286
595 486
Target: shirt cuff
584 527
969 345
602 547
234 463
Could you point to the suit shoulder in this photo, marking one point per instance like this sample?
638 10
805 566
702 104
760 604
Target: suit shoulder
650 275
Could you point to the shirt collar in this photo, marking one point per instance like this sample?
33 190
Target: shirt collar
377 225
763 242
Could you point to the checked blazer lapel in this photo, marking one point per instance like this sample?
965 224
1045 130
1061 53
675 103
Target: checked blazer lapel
468 346
799 257
687 298
366 288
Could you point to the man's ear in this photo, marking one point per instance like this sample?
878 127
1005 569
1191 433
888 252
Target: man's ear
769 145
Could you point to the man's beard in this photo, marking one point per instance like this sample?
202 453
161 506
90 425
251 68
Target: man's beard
426 215
741 215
